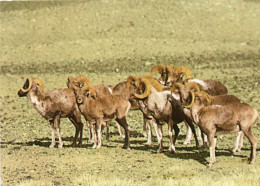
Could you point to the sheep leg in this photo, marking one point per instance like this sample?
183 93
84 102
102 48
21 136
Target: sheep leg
107 133
123 123
159 132
99 132
253 142
52 135
144 127
94 132
239 142
188 134
149 137
120 131
193 131
211 149
176 130
57 125
76 120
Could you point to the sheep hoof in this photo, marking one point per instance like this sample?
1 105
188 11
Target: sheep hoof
52 146
147 144
159 151
60 146
186 142
126 147
94 146
123 136
144 134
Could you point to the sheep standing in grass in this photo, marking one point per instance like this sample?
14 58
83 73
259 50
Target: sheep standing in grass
172 74
184 91
161 106
214 120
97 110
53 105
101 91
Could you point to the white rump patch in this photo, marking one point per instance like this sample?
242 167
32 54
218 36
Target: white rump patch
201 82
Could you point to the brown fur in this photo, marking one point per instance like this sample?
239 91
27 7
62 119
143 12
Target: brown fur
102 109
53 105
222 119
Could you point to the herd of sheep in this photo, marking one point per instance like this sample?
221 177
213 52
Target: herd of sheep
172 98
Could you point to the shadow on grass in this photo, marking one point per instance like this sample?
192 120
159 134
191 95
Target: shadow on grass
201 155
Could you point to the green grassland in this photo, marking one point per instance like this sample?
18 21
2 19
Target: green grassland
109 41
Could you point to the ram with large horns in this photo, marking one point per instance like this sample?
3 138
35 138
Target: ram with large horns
214 120
97 110
186 93
161 106
53 105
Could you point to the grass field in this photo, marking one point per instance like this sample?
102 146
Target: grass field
109 41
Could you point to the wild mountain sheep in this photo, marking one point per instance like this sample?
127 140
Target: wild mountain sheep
162 106
184 91
214 120
171 74
97 110
53 105
101 90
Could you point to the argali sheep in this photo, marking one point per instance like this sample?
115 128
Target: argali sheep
53 105
172 74
161 107
101 90
97 110
214 120
184 91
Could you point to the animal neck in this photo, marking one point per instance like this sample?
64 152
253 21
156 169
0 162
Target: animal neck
195 109
35 97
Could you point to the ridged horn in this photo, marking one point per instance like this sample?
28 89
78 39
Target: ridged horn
39 82
147 89
158 68
131 80
192 99
30 85
204 94
153 82
176 86
70 79
88 86
185 71
192 86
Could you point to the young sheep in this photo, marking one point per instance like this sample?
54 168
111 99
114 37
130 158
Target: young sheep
97 110
101 90
161 106
53 105
214 120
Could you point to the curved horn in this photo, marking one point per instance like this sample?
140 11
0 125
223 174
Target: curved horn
88 86
185 71
204 94
39 82
70 79
192 86
176 86
71 88
158 68
30 85
192 100
131 80
147 89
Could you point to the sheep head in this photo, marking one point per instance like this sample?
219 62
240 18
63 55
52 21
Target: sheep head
29 84
162 70
176 74
82 87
